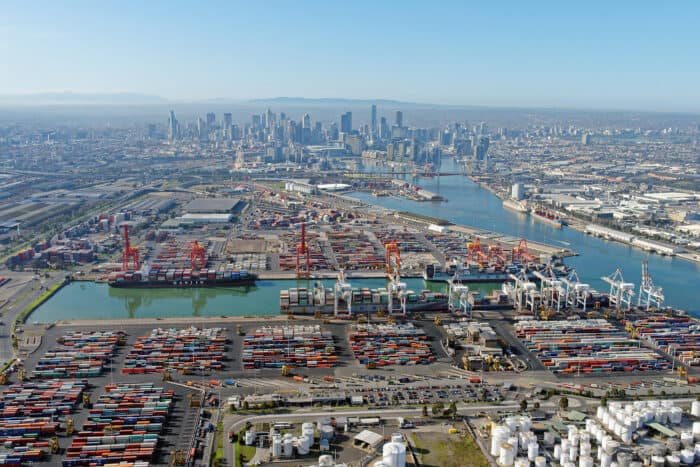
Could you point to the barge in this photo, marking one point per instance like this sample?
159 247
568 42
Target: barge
547 217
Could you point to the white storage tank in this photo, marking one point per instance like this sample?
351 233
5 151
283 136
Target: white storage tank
676 415
533 449
276 446
325 460
585 461
379 464
658 461
540 461
557 451
688 456
520 462
499 435
696 430
548 438
695 409
623 459
303 445
288 447
673 461
506 455
394 454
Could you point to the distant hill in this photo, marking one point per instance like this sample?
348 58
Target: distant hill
336 100
76 98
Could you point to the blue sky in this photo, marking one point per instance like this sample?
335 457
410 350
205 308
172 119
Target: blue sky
614 54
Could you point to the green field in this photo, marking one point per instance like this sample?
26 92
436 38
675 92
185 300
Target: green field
444 450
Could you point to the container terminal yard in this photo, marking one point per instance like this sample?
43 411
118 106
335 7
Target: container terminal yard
161 391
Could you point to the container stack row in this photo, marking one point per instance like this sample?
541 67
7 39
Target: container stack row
676 335
586 346
355 250
294 346
390 344
288 257
181 349
29 417
451 245
123 426
407 242
79 355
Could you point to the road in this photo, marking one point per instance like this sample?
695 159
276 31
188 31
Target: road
28 293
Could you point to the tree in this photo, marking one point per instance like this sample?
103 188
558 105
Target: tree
536 405
425 410
245 405
523 405
438 407
564 403
604 401
452 410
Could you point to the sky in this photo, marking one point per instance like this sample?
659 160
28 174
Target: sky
608 55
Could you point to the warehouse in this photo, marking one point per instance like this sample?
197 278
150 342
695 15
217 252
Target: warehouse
212 205
204 218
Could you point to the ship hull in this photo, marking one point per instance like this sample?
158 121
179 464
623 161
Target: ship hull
546 220
363 308
514 206
182 284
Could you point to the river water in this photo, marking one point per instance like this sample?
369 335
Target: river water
467 204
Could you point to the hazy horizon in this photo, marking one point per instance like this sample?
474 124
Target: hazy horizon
618 56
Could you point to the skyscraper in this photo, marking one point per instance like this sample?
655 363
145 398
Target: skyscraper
172 127
399 118
211 119
228 121
383 128
346 122
306 121
373 121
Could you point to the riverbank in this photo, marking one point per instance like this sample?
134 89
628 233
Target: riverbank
575 223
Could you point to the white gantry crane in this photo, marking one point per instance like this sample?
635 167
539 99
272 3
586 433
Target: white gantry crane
552 289
398 290
649 294
525 292
342 289
458 298
621 292
576 291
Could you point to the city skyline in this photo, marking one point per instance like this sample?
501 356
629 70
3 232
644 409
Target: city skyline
630 56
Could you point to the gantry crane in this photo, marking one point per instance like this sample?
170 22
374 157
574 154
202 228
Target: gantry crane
521 252
342 289
392 251
649 294
303 250
458 298
130 254
198 255
621 292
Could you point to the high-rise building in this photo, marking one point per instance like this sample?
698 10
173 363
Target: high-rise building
211 119
306 121
399 118
586 139
517 191
373 121
228 121
383 128
481 149
172 127
346 122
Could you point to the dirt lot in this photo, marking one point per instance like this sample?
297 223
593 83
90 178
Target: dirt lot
440 449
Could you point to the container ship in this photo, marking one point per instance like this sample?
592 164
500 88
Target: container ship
164 278
345 301
471 273
514 205
547 217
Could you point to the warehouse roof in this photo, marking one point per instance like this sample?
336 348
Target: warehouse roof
368 438
207 205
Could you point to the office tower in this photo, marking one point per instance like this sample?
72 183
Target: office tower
201 128
257 122
172 127
346 122
373 121
383 128
306 121
481 149
269 119
399 118
211 119
228 121
517 191
586 139
151 130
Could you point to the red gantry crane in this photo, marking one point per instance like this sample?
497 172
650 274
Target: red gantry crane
130 254
303 250
198 255
521 253
392 250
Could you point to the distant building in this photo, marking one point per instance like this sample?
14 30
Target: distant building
172 127
586 139
399 118
211 119
228 121
346 122
373 120
517 191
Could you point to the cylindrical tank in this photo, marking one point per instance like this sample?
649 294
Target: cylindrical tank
326 460
695 409
688 456
548 438
623 459
673 460
533 449
605 459
249 438
287 447
525 423
276 446
396 438
307 425
573 453
499 435
687 438
658 461
673 444
394 454
585 461
696 430
540 461
506 455
326 432
378 464
557 451
521 462
303 445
